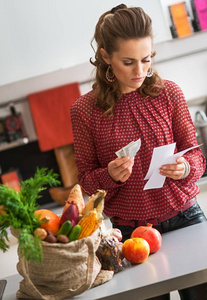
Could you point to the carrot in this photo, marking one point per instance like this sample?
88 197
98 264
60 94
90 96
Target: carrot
76 197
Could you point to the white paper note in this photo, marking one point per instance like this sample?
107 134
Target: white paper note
161 156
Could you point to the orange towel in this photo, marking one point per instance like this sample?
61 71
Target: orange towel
51 114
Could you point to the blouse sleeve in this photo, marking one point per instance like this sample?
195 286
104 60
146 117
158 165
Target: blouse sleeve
185 135
91 175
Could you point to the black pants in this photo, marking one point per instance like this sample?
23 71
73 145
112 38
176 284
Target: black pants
190 216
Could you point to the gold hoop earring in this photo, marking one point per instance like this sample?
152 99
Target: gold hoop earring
110 74
150 72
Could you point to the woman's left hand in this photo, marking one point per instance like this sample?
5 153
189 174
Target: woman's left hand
174 171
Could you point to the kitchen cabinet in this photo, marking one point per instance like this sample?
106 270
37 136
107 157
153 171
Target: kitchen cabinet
26 158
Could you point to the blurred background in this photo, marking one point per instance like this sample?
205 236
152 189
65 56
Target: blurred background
45 45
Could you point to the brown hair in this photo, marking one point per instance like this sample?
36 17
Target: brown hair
120 23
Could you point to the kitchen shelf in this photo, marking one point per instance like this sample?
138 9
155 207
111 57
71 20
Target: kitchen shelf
17 143
180 47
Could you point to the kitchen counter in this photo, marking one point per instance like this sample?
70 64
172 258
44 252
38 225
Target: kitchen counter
181 262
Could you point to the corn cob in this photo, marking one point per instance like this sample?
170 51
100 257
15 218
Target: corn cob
89 224
95 201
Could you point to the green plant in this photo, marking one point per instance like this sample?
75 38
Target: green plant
18 212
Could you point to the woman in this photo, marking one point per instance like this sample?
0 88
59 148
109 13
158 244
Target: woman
130 101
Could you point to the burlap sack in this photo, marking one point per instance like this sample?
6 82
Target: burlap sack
67 270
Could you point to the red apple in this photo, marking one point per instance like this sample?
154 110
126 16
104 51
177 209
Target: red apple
150 234
136 250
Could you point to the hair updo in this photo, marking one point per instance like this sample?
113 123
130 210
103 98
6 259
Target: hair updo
120 23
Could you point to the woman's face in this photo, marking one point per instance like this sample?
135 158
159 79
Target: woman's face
131 62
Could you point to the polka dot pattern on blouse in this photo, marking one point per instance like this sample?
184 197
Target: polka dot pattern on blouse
157 121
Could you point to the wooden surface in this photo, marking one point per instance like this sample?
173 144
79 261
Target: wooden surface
65 157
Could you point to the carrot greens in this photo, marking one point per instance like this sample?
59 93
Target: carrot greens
18 210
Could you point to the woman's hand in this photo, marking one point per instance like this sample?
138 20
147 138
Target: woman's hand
174 171
121 168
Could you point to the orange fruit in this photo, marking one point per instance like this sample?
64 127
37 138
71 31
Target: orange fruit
51 221
136 250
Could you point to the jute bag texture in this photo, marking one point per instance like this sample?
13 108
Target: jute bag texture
67 270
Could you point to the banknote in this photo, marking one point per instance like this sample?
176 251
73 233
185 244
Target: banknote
130 149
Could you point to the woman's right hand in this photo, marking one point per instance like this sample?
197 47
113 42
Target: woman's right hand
121 168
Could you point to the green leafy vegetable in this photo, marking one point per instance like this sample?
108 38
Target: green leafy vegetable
18 212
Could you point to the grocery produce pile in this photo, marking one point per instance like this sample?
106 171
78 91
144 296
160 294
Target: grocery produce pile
34 226
77 220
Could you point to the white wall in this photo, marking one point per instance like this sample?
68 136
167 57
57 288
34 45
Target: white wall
38 36
190 72
47 43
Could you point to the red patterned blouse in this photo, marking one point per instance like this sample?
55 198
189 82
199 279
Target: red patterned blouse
157 121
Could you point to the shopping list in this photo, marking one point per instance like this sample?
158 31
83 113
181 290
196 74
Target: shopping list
161 155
